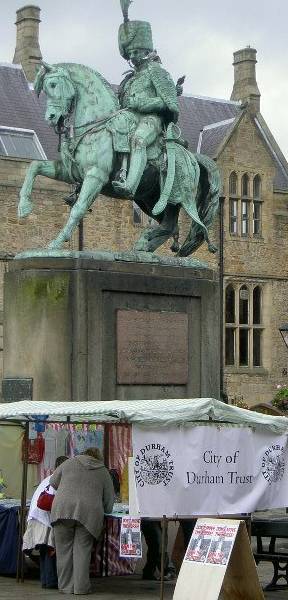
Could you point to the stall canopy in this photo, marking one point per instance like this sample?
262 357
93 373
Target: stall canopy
152 413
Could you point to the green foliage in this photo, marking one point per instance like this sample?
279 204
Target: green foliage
2 486
281 398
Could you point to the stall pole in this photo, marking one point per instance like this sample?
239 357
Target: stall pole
106 449
221 299
163 548
20 556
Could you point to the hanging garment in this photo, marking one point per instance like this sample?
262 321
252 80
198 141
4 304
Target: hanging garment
50 454
33 449
120 446
62 442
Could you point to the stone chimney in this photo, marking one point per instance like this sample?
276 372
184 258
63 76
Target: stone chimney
27 52
245 85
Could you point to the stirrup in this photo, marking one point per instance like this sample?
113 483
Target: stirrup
121 189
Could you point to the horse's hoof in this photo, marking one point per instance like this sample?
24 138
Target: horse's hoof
141 246
55 244
175 247
24 209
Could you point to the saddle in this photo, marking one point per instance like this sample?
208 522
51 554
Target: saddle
122 126
166 154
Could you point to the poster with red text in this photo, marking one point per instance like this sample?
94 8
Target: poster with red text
130 538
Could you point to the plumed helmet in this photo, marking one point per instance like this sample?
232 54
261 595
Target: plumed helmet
134 35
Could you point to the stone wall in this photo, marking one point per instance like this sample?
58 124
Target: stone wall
260 260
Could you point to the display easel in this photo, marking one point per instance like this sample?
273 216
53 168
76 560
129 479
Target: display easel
236 580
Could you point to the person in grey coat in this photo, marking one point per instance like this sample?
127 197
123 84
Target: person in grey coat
84 493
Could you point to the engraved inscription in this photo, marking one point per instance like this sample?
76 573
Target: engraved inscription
152 347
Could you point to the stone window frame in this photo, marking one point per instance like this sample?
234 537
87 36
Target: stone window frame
233 203
244 329
257 206
245 205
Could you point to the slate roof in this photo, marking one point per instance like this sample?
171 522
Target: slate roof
281 178
197 112
212 136
20 107
205 122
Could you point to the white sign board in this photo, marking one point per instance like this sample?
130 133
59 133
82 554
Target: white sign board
218 560
209 470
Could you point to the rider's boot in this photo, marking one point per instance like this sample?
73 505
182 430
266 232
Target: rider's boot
138 161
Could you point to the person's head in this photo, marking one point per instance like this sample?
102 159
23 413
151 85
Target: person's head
135 41
94 453
59 460
137 55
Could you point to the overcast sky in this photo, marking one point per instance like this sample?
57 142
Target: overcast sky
193 38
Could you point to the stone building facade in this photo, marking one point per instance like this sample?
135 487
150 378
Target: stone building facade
255 190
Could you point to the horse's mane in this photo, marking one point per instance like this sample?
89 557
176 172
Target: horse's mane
90 70
39 80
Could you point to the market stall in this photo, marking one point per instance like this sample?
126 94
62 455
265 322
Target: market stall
43 442
173 421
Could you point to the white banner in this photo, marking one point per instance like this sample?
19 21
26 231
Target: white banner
209 470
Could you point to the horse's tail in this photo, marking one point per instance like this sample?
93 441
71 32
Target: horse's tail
207 202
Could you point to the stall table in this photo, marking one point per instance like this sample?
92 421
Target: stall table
9 532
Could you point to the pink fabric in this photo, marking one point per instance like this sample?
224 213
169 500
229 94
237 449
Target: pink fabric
120 446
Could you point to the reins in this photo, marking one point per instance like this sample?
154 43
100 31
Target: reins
101 122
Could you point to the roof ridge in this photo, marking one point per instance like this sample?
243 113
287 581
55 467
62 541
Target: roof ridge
219 124
210 99
272 144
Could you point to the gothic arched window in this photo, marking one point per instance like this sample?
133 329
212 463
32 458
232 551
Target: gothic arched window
245 205
233 203
243 325
257 206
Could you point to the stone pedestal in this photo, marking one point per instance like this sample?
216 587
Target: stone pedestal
89 327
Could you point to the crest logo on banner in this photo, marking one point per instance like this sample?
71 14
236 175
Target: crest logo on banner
153 465
273 464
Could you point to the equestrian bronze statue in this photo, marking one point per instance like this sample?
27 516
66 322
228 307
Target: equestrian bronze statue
126 145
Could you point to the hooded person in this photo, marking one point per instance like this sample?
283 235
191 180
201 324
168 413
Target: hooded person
84 493
39 534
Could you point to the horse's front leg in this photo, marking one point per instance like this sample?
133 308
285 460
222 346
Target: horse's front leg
92 185
49 168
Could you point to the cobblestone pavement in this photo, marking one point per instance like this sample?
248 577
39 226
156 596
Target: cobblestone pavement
114 588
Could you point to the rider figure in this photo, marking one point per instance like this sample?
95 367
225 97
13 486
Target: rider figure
149 91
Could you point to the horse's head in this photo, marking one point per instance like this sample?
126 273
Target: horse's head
57 84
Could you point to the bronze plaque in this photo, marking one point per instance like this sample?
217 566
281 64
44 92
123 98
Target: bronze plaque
152 347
